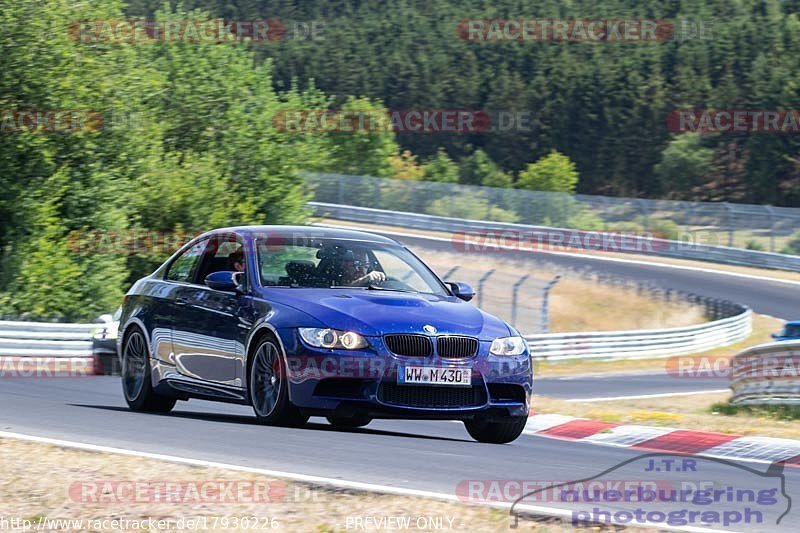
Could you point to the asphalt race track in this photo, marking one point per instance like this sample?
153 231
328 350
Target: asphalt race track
432 456
616 385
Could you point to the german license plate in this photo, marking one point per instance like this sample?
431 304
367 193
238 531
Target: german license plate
431 375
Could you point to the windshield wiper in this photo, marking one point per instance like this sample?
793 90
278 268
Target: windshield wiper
379 288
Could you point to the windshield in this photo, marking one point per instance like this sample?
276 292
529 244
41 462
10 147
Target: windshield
791 330
334 263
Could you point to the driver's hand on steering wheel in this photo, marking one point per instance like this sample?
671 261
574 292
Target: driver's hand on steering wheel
374 276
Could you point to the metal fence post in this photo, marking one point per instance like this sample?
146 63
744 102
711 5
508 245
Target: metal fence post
544 325
450 273
514 292
480 286
729 210
771 212
645 213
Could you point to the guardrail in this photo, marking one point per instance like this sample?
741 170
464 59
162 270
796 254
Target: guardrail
77 342
45 342
747 226
767 374
633 243
642 343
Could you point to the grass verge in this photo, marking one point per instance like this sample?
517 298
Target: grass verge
575 304
774 412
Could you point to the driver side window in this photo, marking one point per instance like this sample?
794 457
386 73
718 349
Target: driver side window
185 266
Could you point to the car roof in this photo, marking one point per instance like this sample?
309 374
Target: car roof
320 232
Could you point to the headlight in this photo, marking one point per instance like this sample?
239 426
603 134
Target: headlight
332 338
509 346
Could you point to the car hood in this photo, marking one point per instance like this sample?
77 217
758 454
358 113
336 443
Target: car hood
374 313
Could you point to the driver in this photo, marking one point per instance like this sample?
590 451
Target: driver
355 271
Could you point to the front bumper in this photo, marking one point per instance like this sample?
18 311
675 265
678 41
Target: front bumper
364 382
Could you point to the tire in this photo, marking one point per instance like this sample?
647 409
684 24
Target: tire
496 432
269 388
137 385
349 422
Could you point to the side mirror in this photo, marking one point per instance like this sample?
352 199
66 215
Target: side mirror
775 335
461 290
223 281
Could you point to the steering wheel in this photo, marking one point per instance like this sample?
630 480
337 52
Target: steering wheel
394 283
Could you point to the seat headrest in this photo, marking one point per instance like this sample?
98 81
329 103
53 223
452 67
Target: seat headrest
299 269
335 252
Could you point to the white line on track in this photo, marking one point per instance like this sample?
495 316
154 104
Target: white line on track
643 396
603 375
653 263
323 481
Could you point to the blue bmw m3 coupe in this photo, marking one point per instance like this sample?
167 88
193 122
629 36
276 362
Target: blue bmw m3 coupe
307 321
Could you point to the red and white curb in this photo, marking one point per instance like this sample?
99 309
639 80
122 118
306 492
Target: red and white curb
663 439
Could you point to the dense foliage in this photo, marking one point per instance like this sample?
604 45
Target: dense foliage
604 105
186 142
187 136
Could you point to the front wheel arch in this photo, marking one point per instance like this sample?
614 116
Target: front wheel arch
284 412
255 341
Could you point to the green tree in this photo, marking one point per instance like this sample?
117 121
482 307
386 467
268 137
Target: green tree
479 169
363 151
53 280
440 168
498 179
553 172
684 165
